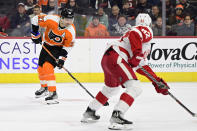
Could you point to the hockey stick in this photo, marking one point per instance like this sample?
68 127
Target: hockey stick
160 84
106 104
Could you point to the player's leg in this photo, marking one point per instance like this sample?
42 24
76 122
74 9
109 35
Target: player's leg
111 88
43 91
130 82
127 98
48 64
51 82
98 102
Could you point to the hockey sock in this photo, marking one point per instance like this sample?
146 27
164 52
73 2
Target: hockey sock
124 103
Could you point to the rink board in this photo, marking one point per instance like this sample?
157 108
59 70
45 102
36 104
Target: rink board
94 77
174 59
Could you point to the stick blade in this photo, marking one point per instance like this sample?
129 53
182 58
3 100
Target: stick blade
194 115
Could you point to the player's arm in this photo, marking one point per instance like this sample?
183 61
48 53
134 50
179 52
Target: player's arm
69 40
68 45
136 48
35 34
37 21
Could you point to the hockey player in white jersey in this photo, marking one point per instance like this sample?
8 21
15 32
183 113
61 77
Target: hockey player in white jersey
118 63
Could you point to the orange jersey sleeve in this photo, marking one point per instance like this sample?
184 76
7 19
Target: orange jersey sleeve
70 36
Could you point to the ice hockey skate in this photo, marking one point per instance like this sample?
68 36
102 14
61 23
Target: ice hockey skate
90 116
43 91
52 98
117 122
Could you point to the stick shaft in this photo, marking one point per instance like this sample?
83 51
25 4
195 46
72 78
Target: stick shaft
172 96
68 71
193 114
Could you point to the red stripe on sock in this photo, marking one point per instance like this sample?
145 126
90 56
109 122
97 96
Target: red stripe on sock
101 98
127 98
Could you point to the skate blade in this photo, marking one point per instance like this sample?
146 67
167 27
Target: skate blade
88 120
50 102
116 126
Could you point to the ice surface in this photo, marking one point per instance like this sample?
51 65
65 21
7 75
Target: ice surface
20 111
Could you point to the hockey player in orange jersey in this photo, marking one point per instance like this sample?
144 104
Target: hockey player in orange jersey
58 38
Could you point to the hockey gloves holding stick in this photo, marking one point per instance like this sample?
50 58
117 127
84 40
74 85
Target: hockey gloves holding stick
162 87
62 58
135 60
60 63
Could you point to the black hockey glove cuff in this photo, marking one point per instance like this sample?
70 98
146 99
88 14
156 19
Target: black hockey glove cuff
36 37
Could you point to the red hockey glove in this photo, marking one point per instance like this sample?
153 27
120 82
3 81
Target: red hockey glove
135 60
162 87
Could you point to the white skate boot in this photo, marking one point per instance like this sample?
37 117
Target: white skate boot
43 91
52 98
117 122
90 116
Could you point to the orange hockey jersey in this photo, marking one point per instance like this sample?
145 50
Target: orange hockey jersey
53 34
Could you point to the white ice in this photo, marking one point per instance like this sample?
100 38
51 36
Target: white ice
20 111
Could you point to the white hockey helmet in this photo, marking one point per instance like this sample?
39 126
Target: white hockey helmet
143 19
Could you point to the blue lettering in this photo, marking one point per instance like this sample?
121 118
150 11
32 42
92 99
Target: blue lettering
3 62
35 62
6 48
24 61
16 47
26 48
15 62
34 47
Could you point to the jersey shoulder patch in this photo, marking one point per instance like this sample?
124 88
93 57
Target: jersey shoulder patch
147 33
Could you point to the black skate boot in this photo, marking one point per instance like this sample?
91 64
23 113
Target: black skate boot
90 116
117 122
52 98
43 91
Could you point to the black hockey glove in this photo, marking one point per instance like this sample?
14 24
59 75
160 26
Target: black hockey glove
62 58
36 37
60 63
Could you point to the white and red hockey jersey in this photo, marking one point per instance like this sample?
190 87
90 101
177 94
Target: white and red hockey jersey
138 38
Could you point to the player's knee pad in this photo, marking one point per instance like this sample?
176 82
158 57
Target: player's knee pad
48 67
110 91
48 71
133 88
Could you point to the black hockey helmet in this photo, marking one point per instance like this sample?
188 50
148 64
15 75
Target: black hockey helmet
67 13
